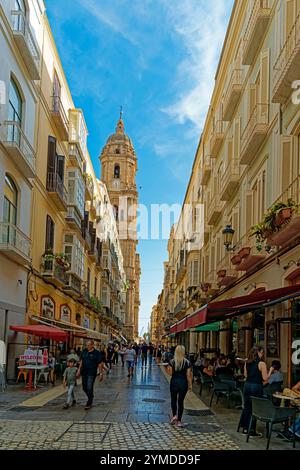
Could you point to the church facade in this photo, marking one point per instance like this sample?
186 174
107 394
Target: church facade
118 172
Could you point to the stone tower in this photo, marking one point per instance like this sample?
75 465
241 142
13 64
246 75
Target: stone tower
118 170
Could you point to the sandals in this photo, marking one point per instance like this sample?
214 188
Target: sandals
173 420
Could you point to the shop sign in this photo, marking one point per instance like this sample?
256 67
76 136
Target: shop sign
272 339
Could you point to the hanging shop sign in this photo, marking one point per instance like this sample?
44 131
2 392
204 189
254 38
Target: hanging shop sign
272 339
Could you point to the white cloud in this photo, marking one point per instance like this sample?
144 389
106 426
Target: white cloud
201 27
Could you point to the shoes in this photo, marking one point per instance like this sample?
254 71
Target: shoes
173 420
252 433
87 407
66 406
128 375
288 435
74 402
179 424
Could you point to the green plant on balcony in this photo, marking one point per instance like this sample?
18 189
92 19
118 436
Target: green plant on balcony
62 260
96 303
278 214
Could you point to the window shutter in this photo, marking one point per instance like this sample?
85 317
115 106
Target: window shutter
249 198
49 233
265 83
286 159
61 167
195 273
235 226
289 16
252 99
51 165
236 140
230 150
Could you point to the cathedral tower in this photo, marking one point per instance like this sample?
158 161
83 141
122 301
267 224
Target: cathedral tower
118 171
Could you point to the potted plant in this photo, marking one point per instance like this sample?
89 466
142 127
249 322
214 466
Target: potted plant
221 273
236 259
48 258
62 260
245 251
285 212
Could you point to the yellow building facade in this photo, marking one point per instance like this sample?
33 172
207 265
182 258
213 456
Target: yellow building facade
244 196
59 236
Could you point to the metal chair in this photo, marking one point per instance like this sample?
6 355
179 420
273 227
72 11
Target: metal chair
204 380
222 389
264 410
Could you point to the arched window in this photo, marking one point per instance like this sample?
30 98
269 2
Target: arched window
14 113
117 171
10 201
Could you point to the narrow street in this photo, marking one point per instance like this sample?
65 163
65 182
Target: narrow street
126 415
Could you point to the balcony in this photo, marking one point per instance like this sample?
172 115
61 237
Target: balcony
26 44
54 272
75 158
232 94
287 65
254 133
73 285
180 273
214 210
19 148
255 30
60 117
14 243
57 192
85 297
78 132
89 187
230 180
248 254
180 308
93 253
288 230
217 139
206 169
93 210
73 219
86 236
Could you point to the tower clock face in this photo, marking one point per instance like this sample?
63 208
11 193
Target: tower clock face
116 184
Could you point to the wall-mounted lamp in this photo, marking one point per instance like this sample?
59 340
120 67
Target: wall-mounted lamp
228 233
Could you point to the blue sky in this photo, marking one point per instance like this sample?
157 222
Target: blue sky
158 59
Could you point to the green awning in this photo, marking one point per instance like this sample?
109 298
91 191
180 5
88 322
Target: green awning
215 327
210 327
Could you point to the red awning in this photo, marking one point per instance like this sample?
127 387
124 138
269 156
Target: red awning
223 309
42 331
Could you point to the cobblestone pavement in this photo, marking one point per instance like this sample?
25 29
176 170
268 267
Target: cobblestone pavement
125 415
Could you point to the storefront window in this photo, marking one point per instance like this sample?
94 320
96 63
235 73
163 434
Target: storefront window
295 329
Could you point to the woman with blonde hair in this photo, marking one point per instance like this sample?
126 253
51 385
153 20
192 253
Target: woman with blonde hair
181 381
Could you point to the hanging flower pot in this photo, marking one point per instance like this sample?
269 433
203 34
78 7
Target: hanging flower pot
236 259
283 215
221 273
245 251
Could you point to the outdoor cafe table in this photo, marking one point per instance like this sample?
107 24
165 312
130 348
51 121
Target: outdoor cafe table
283 398
31 368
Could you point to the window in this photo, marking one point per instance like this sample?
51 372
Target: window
19 19
88 280
95 287
49 245
117 171
116 212
10 201
14 113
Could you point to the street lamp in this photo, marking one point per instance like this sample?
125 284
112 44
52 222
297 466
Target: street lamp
228 233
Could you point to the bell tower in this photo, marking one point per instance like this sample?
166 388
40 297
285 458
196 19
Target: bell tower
118 172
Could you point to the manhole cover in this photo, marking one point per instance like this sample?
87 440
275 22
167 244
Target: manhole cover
147 387
199 412
153 400
204 428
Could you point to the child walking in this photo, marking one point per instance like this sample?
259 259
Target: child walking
69 381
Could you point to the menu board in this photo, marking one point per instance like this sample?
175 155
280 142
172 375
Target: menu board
272 339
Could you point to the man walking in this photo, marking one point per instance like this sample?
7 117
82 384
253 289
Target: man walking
144 350
91 360
151 352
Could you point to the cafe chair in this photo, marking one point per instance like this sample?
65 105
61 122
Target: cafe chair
270 389
264 410
44 374
204 380
22 372
221 389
